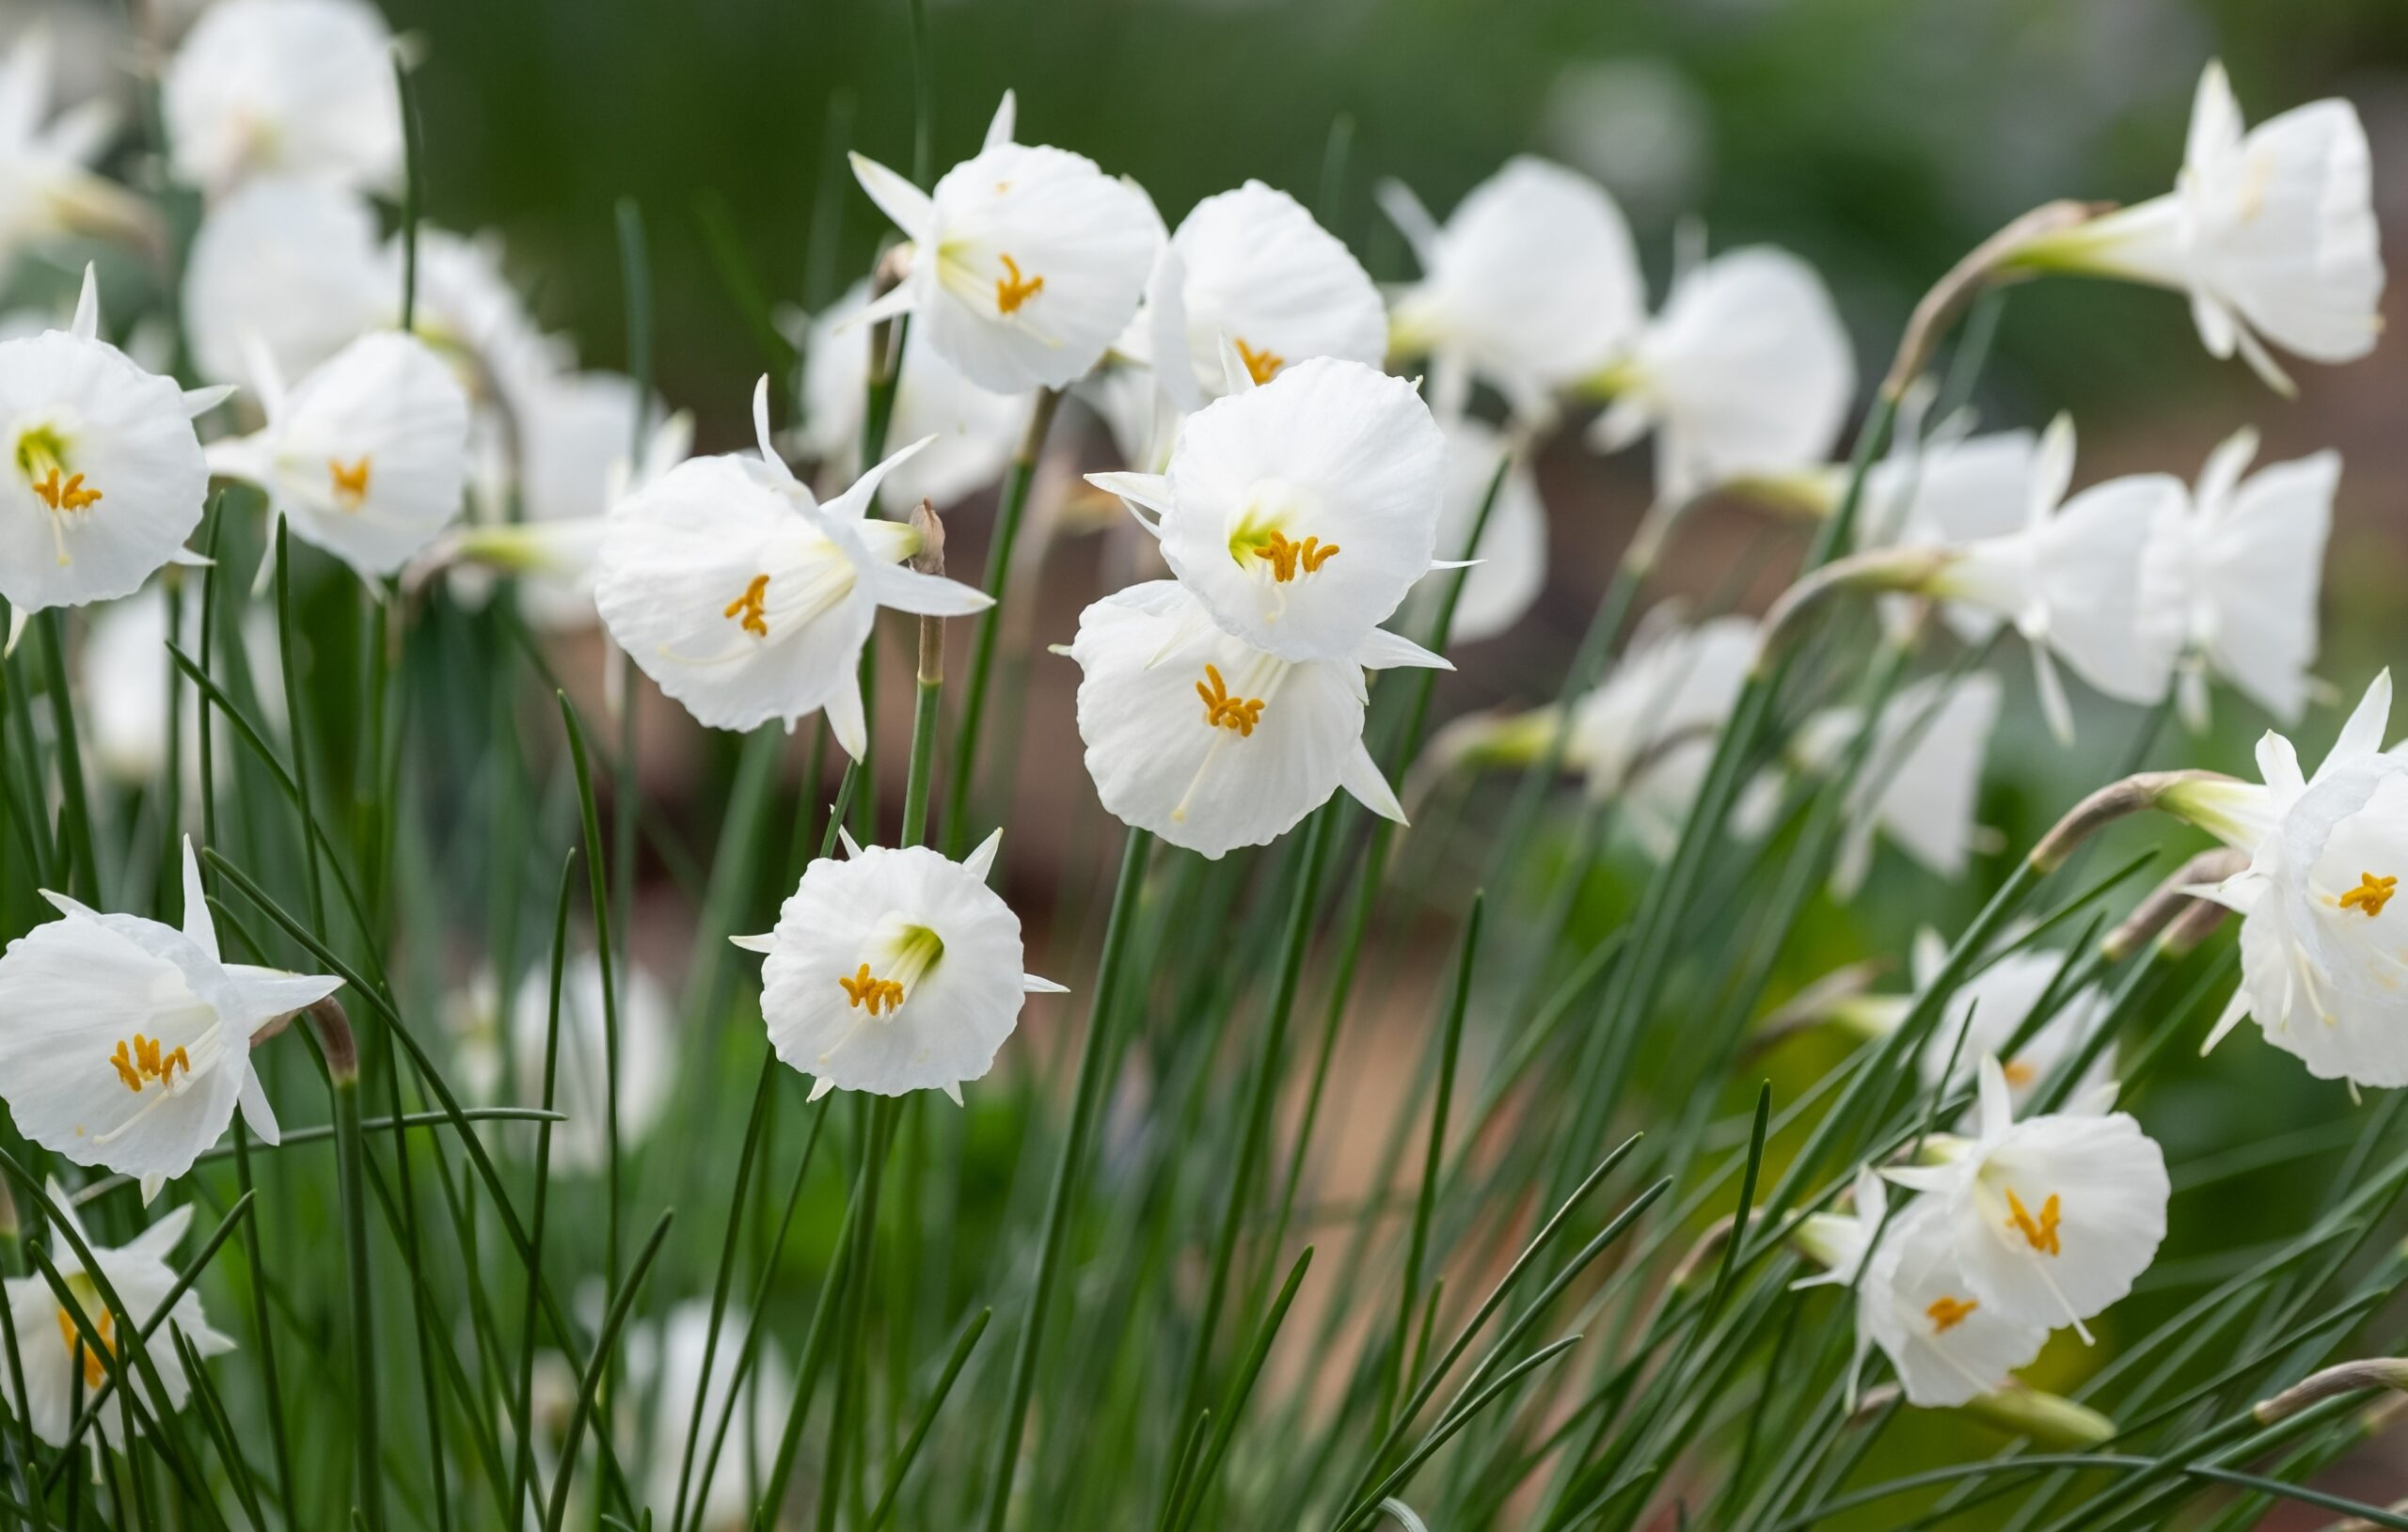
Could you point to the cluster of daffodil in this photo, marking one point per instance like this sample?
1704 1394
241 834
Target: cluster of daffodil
1316 463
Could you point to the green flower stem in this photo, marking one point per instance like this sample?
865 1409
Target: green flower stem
341 1052
1085 1108
603 944
75 804
1009 508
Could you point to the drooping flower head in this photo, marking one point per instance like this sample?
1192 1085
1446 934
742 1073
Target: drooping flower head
60 1365
1922 777
47 185
1746 373
367 456
1645 735
1531 284
2323 969
746 599
1251 270
1210 743
2053 1217
103 478
2270 231
893 970
1914 1300
2233 579
1025 261
1299 512
129 1042
972 431
2070 582
285 88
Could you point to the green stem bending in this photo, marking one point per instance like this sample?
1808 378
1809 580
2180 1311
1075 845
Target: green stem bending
341 1051
1009 508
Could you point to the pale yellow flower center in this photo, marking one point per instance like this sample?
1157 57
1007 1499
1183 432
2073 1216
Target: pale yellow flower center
2371 895
1947 1312
351 483
912 951
1013 288
1222 711
2039 1233
41 458
144 1062
94 1369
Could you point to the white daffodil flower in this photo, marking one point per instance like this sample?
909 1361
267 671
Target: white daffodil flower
648 1057
1644 736
893 970
367 456
1210 743
2233 577
1532 285
128 1043
61 1368
289 266
2053 1217
747 599
123 671
1300 511
1746 373
286 87
1252 270
1946 491
972 433
665 1371
1923 776
2322 962
1026 260
1509 569
103 476
2270 231
1915 1301
2069 580
1982 1016
468 308
47 185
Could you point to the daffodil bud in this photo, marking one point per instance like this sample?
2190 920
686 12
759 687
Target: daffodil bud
2050 1420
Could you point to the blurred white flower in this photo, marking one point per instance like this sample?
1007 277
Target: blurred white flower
2054 1217
1251 270
2069 580
287 265
666 1370
895 969
284 87
1210 743
1300 511
468 309
1644 736
367 456
1532 285
1638 125
648 1056
60 1366
972 433
1509 566
1915 1301
123 670
1984 1013
1747 372
47 185
130 1041
747 600
2272 233
2322 969
107 477
1025 264
2234 578
1949 491
1921 778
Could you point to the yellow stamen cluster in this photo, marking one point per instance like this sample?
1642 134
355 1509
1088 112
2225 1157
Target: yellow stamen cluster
1221 710
748 606
2040 1233
65 495
1948 1311
1012 289
862 990
1287 559
2371 895
351 484
94 1370
145 1062
1262 366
